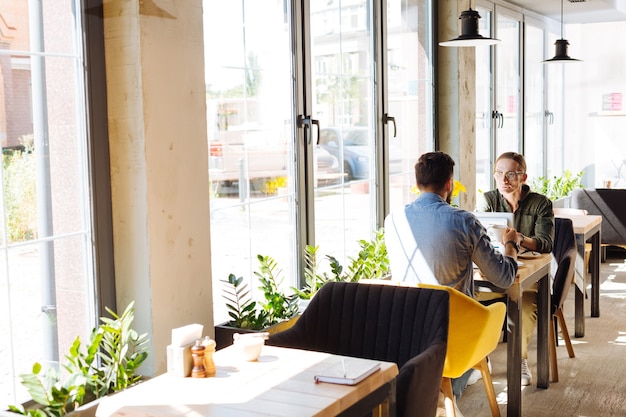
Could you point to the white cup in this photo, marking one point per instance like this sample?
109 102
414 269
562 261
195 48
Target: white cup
497 231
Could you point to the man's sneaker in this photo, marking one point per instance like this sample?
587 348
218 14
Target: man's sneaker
527 377
477 375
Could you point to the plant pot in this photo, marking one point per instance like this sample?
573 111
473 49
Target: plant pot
224 333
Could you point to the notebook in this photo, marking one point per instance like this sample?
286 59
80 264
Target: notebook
348 371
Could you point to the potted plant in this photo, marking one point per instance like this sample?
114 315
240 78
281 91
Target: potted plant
558 189
280 311
276 313
107 364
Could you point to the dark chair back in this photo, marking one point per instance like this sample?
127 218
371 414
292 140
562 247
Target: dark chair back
405 325
564 252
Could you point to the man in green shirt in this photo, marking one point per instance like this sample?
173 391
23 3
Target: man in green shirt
534 221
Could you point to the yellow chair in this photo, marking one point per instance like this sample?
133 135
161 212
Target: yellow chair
473 333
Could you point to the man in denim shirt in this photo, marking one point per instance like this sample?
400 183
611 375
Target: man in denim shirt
429 241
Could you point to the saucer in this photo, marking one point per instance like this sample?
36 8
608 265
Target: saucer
529 254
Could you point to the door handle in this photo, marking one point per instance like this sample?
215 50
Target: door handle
306 122
387 119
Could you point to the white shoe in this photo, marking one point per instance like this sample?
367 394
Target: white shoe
477 375
441 407
527 377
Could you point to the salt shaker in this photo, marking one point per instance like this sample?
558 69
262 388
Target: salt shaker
197 353
209 349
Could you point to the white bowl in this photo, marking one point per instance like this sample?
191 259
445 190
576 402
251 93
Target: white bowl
249 346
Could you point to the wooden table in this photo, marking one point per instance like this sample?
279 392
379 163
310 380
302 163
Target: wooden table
587 228
532 271
280 383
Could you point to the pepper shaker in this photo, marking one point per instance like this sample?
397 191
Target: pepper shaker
197 353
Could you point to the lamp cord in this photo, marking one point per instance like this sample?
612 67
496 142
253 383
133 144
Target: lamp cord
561 19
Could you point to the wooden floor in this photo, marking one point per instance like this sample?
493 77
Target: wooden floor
591 384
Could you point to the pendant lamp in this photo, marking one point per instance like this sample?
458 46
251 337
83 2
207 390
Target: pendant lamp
561 45
469 31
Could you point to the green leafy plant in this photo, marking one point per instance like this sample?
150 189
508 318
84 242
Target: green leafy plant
278 305
313 279
107 364
20 193
372 261
558 187
241 308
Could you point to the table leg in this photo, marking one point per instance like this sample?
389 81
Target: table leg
514 357
579 293
543 321
594 261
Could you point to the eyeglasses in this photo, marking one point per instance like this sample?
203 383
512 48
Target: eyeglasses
510 175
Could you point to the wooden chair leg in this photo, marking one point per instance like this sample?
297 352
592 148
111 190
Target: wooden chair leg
483 367
568 341
446 388
554 367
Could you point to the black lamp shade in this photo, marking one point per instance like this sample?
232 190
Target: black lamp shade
469 32
561 52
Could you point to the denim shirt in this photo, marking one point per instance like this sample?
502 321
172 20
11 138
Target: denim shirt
450 240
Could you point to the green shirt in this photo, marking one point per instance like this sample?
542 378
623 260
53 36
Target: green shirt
533 218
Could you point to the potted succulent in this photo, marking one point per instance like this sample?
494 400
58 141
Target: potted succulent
107 364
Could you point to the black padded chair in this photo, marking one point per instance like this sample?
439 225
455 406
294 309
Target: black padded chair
405 325
564 252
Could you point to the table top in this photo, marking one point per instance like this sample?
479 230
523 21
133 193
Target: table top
582 223
280 383
528 273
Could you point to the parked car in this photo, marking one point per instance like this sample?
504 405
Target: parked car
353 146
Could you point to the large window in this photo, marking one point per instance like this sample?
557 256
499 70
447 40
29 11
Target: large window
317 111
46 239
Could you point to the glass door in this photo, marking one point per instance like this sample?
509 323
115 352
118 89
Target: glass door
251 131
485 116
342 51
498 91
409 87
508 82
535 115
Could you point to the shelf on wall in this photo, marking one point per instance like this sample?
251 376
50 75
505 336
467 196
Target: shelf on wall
608 113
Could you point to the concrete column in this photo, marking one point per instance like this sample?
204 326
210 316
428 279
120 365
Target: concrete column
159 166
456 109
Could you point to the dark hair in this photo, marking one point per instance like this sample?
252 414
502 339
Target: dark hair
433 170
519 158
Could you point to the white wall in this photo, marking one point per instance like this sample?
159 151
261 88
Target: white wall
596 140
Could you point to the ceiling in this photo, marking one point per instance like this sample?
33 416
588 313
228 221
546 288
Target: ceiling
578 11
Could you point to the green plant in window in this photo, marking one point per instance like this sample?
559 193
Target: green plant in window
108 364
278 305
241 308
557 187
20 197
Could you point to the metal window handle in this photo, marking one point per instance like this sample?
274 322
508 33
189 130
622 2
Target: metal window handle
550 116
387 119
499 116
306 121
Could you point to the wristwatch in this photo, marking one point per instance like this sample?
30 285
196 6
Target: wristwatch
521 241
514 243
